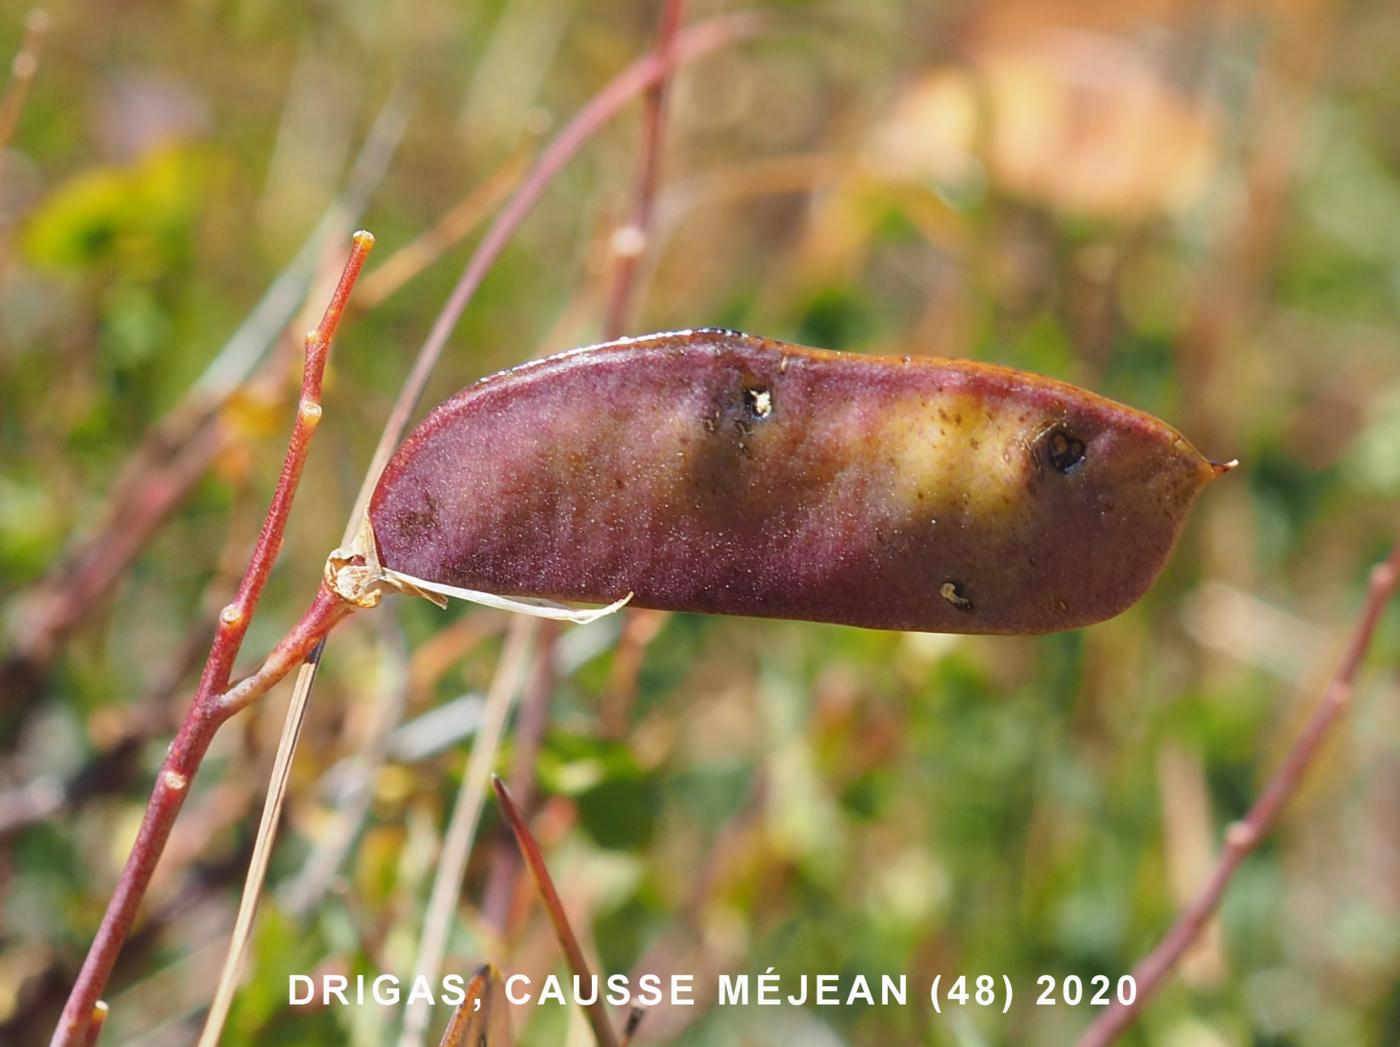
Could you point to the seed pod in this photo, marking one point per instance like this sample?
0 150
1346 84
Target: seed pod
717 472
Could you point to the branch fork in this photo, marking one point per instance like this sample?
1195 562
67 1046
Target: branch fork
214 700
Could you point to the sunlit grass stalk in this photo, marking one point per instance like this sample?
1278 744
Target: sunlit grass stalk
262 854
466 814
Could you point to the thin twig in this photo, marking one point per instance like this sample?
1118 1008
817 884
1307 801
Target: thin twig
635 236
630 241
1244 836
529 733
420 252
586 123
699 39
179 448
211 706
634 1021
94 1029
483 1018
257 866
568 941
466 813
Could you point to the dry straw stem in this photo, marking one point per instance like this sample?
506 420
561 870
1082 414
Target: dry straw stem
539 873
466 813
316 875
214 702
1244 836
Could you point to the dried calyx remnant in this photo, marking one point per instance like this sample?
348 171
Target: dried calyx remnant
713 471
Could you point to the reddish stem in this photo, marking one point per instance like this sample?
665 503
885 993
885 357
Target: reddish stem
1244 836
631 240
568 941
639 76
211 706
179 449
94 1029
530 724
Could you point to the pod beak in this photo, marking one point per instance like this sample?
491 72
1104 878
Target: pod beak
1221 468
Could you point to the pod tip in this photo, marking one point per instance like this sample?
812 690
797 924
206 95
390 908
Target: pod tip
1221 468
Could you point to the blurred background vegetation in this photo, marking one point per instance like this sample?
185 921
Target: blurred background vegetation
1190 207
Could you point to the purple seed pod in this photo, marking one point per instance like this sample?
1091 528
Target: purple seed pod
717 472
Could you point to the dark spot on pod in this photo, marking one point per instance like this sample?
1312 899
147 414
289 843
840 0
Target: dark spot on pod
953 593
422 520
1066 451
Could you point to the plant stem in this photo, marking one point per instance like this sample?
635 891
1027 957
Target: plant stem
452 227
631 240
568 941
1244 836
699 39
262 854
601 108
179 448
466 813
529 728
94 1029
211 706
